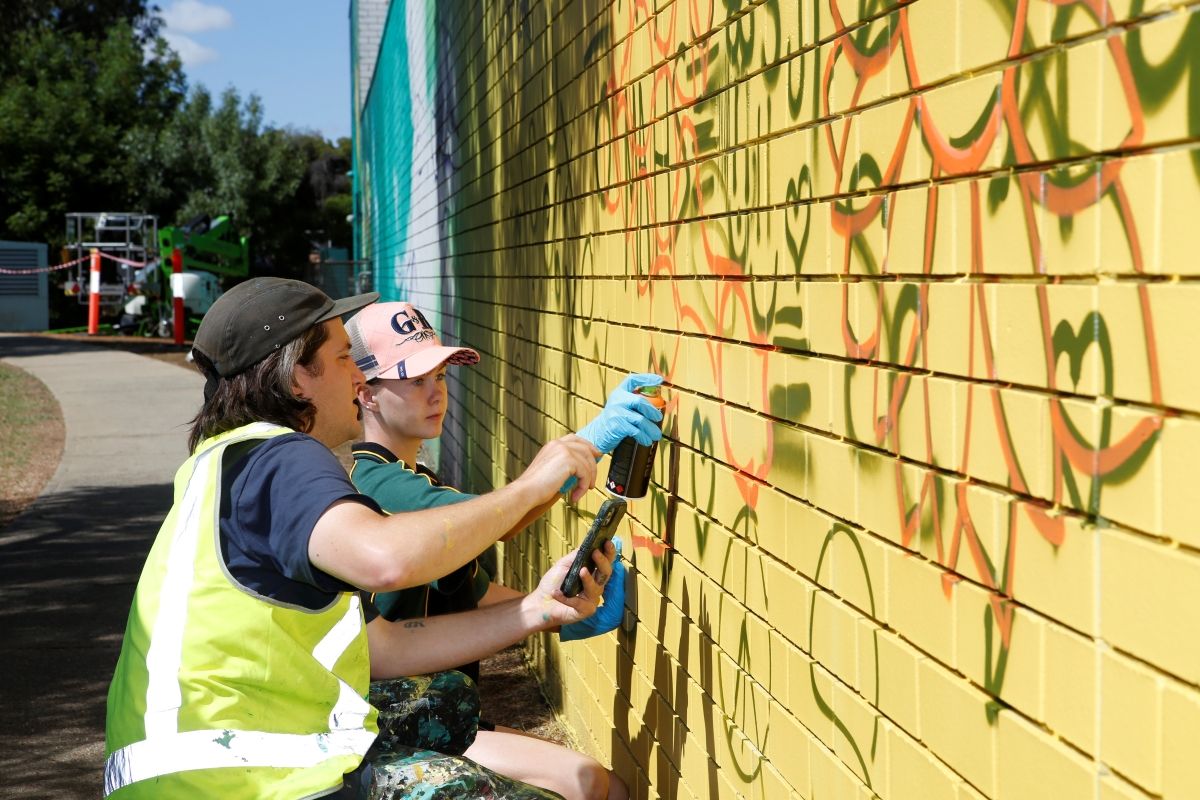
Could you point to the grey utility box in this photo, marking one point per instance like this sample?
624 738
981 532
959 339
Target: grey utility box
24 297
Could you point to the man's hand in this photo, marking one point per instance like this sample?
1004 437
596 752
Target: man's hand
552 608
626 414
568 458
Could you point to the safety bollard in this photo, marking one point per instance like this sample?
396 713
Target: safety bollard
94 295
177 293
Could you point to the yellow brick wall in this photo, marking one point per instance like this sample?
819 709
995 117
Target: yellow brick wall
922 280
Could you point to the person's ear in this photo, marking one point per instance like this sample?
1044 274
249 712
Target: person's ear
366 397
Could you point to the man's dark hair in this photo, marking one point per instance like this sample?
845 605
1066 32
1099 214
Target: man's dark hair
263 393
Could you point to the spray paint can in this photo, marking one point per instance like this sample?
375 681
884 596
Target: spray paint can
631 465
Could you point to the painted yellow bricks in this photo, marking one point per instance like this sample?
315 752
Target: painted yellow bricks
1163 120
922 284
1031 764
832 777
913 772
834 639
936 32
1057 579
1131 700
1170 190
1013 671
897 685
1138 355
953 324
831 471
877 503
1145 600
1174 311
1070 687
1181 722
917 607
954 724
788 749
790 591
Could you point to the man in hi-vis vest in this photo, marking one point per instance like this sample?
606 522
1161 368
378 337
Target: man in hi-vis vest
246 661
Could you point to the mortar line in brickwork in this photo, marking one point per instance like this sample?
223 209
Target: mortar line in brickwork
1046 165
889 367
681 672
1037 166
944 472
371 87
981 381
743 77
878 450
832 676
501 76
887 628
1100 278
1006 62
912 92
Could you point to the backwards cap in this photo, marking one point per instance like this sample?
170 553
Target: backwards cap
394 340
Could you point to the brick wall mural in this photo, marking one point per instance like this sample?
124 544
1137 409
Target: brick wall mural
921 278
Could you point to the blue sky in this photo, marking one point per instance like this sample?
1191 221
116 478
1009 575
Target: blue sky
294 54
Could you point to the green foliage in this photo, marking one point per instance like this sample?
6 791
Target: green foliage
71 110
88 19
95 115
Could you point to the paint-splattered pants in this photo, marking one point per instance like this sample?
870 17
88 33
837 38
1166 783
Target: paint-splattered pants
425 723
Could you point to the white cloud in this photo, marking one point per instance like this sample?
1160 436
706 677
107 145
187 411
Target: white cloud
193 16
190 51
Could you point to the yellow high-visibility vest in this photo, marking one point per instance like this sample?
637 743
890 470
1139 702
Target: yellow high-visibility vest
220 692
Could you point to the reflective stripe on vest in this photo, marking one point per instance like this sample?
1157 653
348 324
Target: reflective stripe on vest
166 750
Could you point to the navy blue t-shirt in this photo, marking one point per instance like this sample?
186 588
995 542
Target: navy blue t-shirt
273 492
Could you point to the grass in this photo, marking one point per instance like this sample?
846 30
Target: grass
31 439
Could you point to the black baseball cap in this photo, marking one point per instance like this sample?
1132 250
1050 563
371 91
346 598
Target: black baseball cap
261 315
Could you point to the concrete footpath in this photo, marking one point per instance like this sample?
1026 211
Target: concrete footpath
68 565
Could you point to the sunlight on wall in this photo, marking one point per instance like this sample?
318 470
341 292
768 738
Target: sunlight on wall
922 280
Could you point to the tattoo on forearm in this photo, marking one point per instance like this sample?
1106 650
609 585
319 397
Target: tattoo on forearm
414 623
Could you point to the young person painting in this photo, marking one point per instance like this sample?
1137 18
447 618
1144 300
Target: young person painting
404 403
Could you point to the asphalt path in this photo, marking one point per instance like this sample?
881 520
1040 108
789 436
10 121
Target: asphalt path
69 563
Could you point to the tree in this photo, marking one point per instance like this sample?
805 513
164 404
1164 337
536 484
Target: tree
73 111
95 115
221 160
88 19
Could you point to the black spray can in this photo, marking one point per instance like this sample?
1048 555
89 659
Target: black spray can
631 465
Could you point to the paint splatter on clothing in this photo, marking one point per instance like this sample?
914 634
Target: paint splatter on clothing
425 723
429 712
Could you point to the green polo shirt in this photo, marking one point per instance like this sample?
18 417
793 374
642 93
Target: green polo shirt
397 487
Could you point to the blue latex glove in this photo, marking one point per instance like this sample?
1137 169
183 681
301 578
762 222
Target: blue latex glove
607 616
625 413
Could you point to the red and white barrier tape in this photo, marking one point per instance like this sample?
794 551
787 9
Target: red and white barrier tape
69 264
125 261
33 270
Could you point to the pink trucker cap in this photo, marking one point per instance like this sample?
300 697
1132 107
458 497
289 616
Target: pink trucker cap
394 340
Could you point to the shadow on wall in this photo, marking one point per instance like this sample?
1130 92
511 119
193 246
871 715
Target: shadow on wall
68 567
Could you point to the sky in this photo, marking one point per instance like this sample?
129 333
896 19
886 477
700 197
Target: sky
294 54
